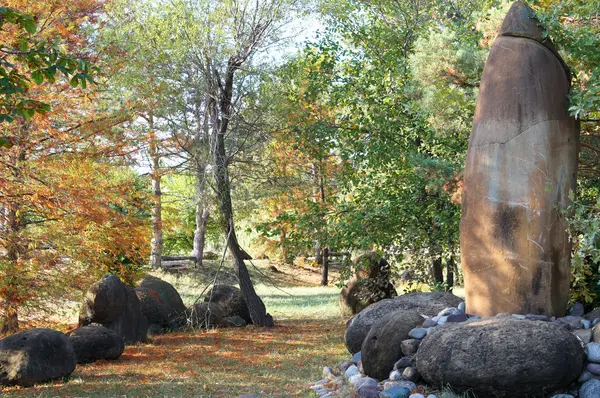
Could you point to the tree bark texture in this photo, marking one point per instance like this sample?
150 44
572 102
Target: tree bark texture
325 267
157 233
450 266
220 112
202 215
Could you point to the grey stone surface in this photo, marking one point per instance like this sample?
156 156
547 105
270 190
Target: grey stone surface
169 297
404 362
351 371
585 335
590 389
395 392
402 383
409 346
429 303
92 343
576 310
593 352
417 333
410 373
382 346
231 300
104 301
501 357
593 368
457 318
35 356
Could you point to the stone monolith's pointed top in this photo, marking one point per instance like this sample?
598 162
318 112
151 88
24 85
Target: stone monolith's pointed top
520 22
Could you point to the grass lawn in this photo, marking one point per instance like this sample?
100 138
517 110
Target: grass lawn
276 362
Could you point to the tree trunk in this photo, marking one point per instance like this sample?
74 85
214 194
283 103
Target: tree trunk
437 272
157 233
220 115
15 252
10 319
450 265
285 256
318 252
200 233
325 267
200 162
258 312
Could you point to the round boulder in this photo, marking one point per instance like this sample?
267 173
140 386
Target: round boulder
131 325
382 346
501 357
35 356
231 300
430 303
168 296
370 284
205 315
104 301
152 307
92 343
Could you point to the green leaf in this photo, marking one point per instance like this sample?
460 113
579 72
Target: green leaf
4 141
29 25
37 76
6 118
74 81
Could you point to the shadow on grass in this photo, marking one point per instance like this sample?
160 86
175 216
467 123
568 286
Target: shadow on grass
271 362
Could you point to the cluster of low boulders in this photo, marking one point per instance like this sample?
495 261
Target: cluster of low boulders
112 316
425 345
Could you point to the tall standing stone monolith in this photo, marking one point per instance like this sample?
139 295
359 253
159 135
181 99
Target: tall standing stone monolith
521 166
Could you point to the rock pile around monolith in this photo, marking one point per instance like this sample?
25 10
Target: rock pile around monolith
450 354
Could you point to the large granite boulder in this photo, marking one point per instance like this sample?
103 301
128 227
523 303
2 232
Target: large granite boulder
155 311
132 325
103 300
381 347
92 343
430 303
168 296
206 315
521 166
231 301
370 284
35 356
501 357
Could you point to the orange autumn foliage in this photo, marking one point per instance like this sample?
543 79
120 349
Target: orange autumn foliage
68 210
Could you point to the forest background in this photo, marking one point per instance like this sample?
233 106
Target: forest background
134 130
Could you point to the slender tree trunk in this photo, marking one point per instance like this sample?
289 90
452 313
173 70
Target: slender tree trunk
157 233
200 162
202 216
14 251
220 115
285 256
436 268
325 259
450 265
10 319
325 267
